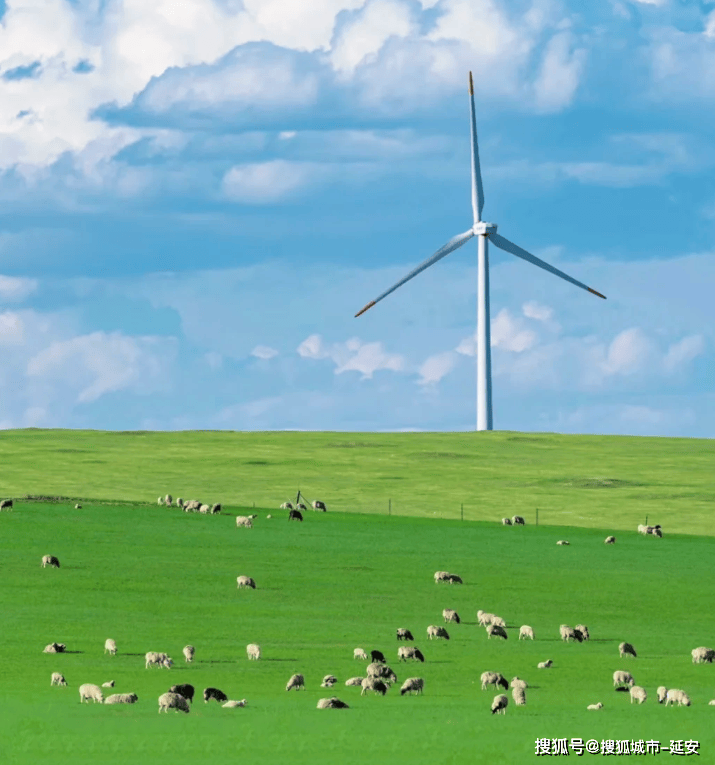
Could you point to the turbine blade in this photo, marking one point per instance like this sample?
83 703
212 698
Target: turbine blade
477 190
451 246
514 249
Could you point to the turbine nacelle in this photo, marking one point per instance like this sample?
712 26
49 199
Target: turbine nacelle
483 228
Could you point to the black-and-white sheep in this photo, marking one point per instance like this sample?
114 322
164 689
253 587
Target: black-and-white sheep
295 515
518 520
50 560
702 655
318 505
184 689
373 684
412 685
450 615
626 649
329 681
404 634
435 631
214 693
245 581
54 648
296 681
493 678
500 704
496 630
332 703
610 541
406 652
58 679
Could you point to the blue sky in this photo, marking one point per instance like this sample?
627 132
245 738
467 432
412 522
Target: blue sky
196 198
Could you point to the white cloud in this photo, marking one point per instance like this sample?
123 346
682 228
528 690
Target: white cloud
534 310
313 348
11 328
101 363
630 351
680 353
264 352
435 367
508 332
641 414
352 355
270 181
560 73
14 288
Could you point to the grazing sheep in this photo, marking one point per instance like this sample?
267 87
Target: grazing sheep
454 579
216 508
358 653
582 629
204 509
192 506
500 704
404 634
378 656
301 506
253 516
243 521
295 515
245 581
506 521
676 694
702 654
373 684
497 631
484 618
214 693
157 659
545 664
519 696
525 631
108 684
54 648
434 631
637 693
167 500
658 532
160 501
642 528
110 647
170 700
568 633
518 520
622 678
329 681
661 693
58 679
318 505
189 652
450 615
517 682
297 681
6 504
89 691
493 678
122 698
232 704
354 681
563 542
595 706
412 685
50 560
409 652
184 689
269 516
286 506
180 503
711 703
381 671
332 703
626 649
441 576
497 621
78 507
253 651
610 541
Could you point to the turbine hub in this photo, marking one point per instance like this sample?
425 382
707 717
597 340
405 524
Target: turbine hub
482 228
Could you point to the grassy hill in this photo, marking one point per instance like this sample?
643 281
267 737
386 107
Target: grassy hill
604 482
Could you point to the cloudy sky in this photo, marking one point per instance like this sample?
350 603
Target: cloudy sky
196 197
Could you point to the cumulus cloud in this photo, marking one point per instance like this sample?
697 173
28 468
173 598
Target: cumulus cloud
534 310
630 351
435 367
263 182
682 352
14 288
264 352
560 73
352 355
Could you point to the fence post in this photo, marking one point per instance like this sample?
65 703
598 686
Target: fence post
646 520
389 507
537 516
462 510
254 504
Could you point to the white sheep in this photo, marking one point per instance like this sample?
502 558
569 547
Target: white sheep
353 681
525 631
160 501
404 634
500 704
610 541
638 693
519 696
108 684
409 652
204 509
517 682
661 693
122 698
381 671
702 654
296 681
441 576
332 703
286 506
170 700
497 631
192 506
498 621
329 681
253 651
595 706
245 581
545 664
711 703
50 560
269 516
434 631
189 652
373 684
676 694
244 521
626 649
622 678
167 500
484 618
359 653
450 615
563 542
567 633
518 520
110 647
58 679
157 659
89 691
412 685
493 678
232 703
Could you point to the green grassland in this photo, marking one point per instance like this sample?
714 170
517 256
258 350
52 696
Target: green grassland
587 481
155 578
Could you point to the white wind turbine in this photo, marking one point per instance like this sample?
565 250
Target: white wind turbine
484 232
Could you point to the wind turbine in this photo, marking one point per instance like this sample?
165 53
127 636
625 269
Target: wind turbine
485 232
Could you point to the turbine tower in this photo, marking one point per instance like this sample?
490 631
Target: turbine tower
485 233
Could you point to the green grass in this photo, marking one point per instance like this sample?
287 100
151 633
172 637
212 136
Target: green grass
155 579
586 481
